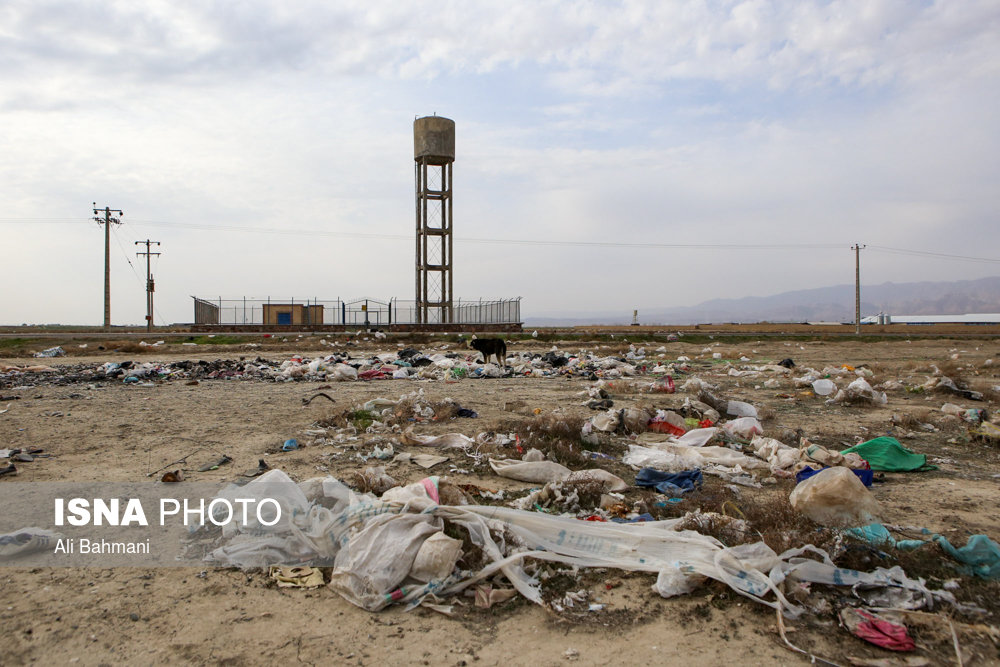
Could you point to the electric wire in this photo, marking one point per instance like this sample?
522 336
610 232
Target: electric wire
520 242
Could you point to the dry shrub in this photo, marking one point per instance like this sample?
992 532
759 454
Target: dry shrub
554 434
767 513
906 420
130 347
952 369
916 419
444 410
621 387
765 413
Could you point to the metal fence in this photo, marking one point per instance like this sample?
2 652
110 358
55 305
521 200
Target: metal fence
338 312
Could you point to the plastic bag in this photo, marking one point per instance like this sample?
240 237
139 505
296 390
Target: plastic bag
611 481
859 391
343 372
672 581
741 409
776 453
536 472
376 559
436 558
835 497
447 440
824 387
744 427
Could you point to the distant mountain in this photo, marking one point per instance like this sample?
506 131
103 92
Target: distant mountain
823 304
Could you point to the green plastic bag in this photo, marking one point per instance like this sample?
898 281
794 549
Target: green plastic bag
981 555
886 454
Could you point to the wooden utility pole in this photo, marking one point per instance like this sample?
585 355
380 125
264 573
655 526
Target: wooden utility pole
149 282
107 221
857 287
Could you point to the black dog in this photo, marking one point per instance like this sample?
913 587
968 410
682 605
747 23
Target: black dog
490 347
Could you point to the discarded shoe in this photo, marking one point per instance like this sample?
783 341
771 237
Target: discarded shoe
9 470
261 468
215 466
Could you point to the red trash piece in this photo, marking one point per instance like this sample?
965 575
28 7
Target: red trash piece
876 630
665 386
666 427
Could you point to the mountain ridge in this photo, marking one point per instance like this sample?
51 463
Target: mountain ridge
822 304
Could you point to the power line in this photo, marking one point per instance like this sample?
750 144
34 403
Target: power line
928 253
523 242
537 242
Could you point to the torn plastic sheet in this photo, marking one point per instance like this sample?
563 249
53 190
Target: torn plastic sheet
327 522
447 440
674 458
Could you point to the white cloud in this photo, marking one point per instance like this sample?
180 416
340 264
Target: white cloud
738 122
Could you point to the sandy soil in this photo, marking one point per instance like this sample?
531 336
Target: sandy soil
113 432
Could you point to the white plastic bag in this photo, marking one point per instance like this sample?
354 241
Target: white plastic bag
376 559
744 427
672 581
436 558
343 372
824 387
741 409
536 472
835 497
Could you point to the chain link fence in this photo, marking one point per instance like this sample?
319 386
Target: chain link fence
355 312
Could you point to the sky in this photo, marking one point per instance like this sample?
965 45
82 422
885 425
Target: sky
610 156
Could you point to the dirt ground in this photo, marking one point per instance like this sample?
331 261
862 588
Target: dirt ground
109 431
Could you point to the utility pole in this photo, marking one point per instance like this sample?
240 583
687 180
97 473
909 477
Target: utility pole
107 221
149 282
857 287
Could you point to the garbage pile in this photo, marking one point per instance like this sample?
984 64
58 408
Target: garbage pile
421 543
405 363
398 548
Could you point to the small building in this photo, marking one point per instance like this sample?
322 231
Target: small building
968 318
292 313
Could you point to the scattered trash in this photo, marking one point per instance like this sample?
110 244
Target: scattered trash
51 352
866 476
676 483
537 472
216 464
887 454
25 541
876 629
878 535
172 477
261 468
835 497
859 391
296 576
824 387
374 543
981 555
425 461
307 401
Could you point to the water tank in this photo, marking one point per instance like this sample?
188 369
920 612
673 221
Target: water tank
434 138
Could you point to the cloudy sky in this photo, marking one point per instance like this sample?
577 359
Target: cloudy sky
610 155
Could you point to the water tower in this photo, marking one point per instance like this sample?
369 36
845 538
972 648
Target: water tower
434 153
